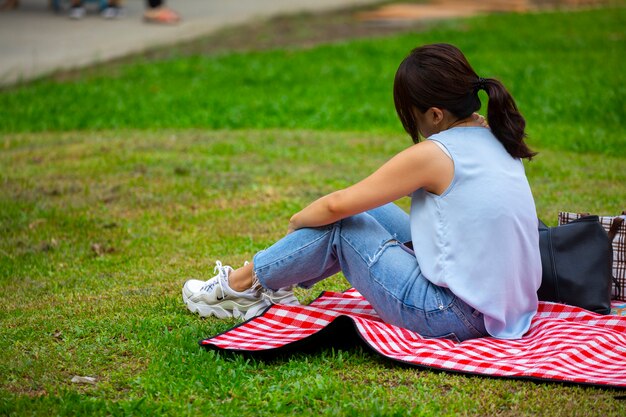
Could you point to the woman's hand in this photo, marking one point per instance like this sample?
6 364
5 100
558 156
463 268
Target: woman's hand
318 213
291 228
479 120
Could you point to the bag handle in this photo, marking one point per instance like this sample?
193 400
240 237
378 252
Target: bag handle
615 225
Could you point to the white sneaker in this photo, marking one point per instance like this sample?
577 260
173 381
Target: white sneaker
281 296
112 12
215 297
77 13
269 297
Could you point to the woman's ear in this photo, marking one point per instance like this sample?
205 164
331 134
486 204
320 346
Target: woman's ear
436 115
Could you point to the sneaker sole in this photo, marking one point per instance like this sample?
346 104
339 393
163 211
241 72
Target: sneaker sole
285 299
223 310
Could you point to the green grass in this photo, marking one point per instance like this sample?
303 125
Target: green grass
164 206
560 67
165 170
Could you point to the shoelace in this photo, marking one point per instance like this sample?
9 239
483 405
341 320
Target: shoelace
221 270
265 294
276 297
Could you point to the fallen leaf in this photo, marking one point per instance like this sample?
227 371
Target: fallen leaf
97 249
84 380
36 223
47 246
101 250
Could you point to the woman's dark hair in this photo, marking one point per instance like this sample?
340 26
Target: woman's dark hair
439 75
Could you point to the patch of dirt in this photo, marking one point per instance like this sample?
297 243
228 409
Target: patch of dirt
305 30
445 9
310 29
297 31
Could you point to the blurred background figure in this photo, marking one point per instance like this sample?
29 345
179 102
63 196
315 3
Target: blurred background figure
111 10
155 10
158 12
9 4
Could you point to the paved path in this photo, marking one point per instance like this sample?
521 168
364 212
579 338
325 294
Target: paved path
35 41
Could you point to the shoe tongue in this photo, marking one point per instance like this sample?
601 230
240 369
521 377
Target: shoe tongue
225 287
225 272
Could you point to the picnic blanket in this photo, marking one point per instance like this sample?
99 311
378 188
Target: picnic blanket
564 343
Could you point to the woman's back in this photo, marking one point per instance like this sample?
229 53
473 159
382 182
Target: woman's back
479 238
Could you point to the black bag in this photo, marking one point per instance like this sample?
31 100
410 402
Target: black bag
576 264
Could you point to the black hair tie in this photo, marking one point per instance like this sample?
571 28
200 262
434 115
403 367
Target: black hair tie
482 82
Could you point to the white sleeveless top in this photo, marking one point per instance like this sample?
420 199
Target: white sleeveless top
480 237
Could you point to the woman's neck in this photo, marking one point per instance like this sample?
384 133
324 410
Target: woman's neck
466 122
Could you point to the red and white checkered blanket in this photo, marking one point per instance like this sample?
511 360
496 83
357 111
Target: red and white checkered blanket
564 343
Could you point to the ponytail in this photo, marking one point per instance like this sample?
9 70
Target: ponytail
439 75
505 120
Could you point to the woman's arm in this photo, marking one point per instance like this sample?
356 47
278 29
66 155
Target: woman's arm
423 165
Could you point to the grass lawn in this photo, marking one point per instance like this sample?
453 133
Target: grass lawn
119 183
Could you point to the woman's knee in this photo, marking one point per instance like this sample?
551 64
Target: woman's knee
361 228
394 220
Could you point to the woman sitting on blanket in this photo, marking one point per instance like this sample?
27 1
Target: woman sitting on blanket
474 266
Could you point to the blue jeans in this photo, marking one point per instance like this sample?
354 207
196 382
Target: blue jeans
368 249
